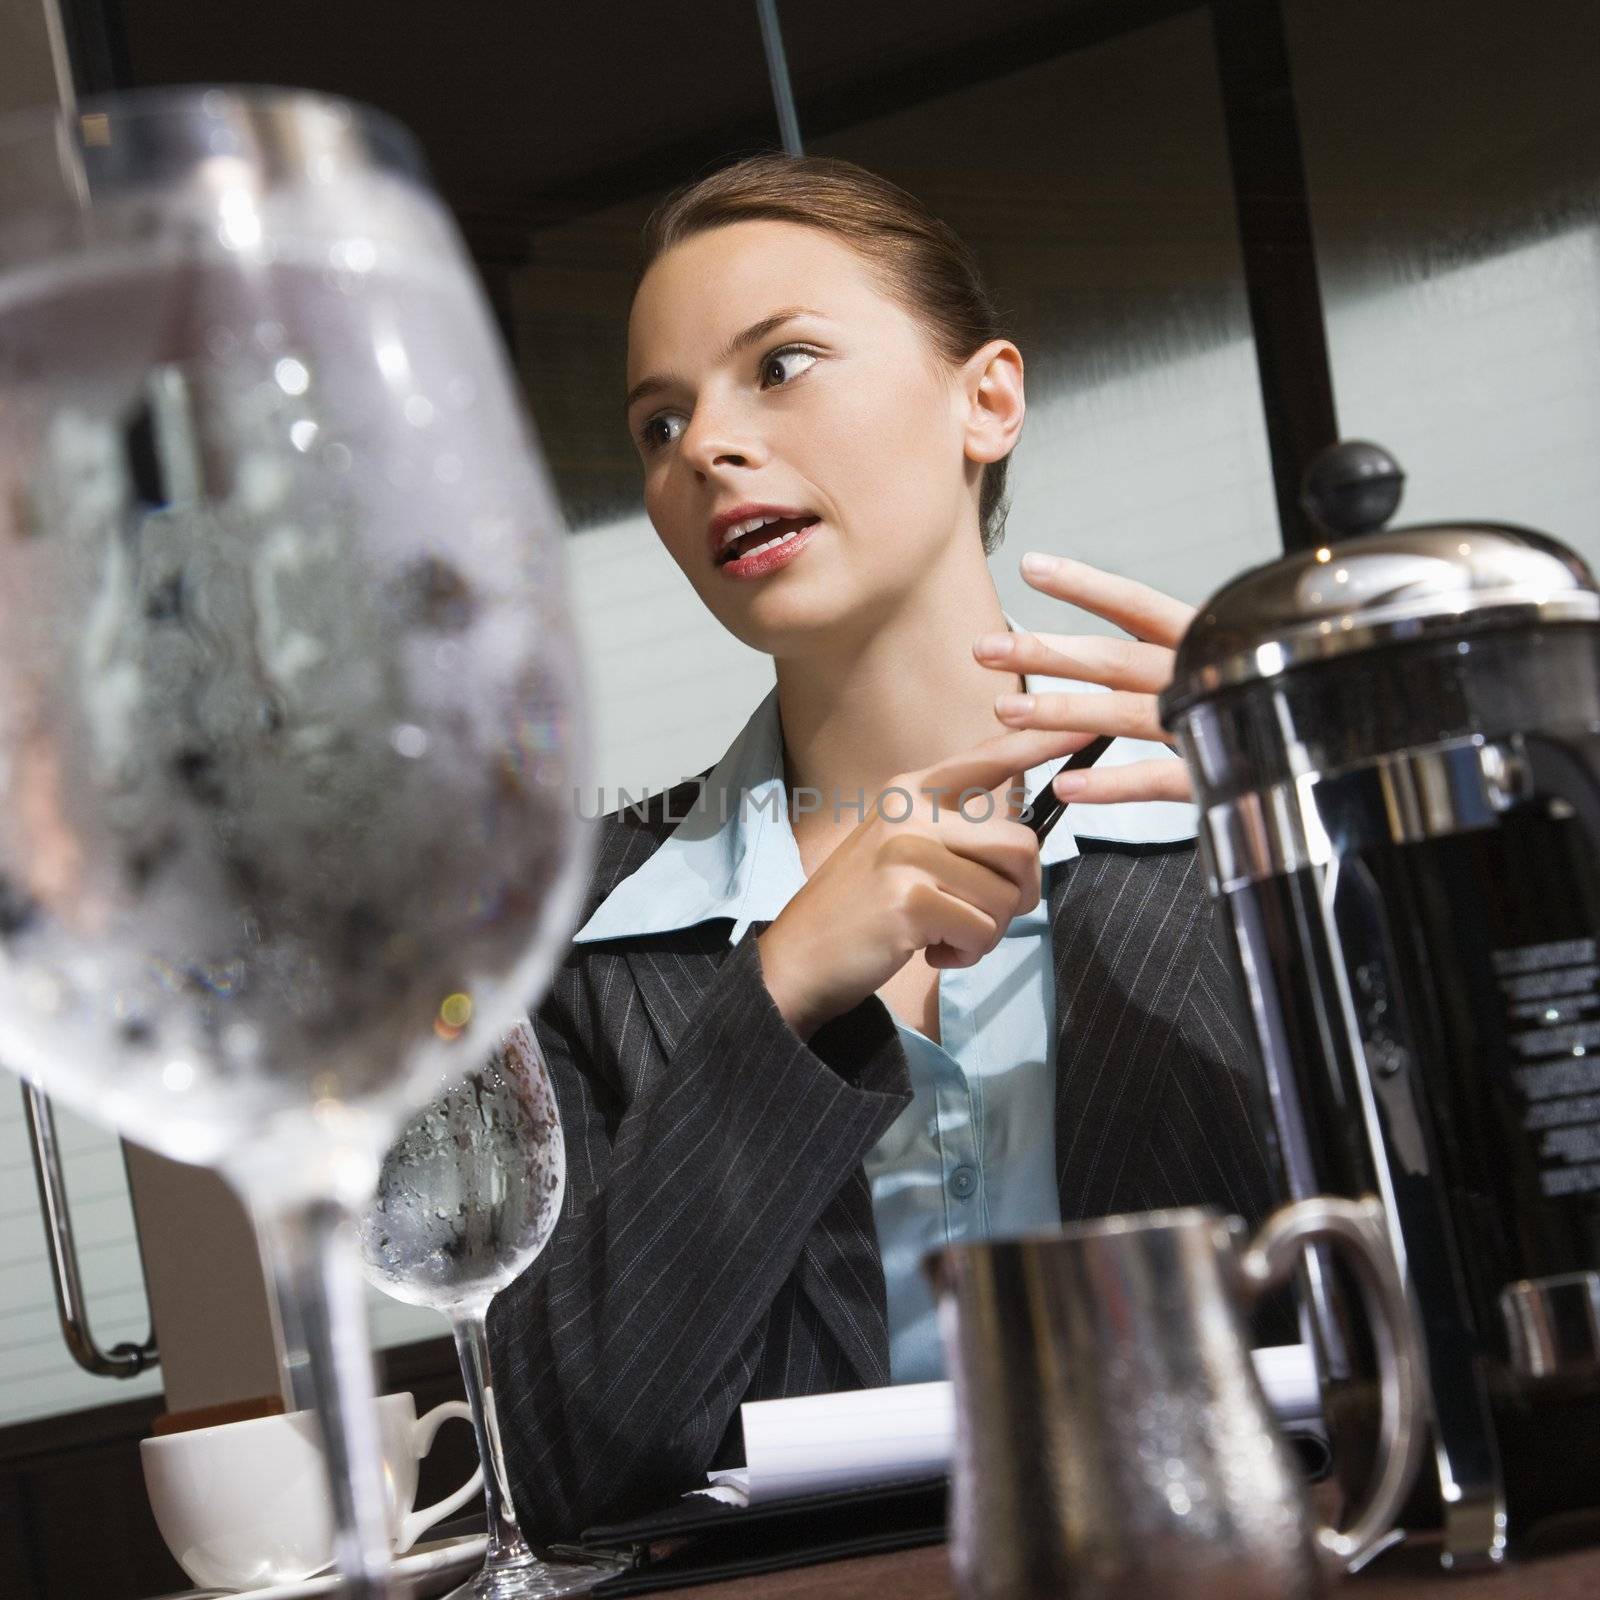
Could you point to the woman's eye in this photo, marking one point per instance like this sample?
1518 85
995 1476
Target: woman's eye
781 366
660 430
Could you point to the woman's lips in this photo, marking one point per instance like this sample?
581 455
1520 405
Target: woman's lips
760 562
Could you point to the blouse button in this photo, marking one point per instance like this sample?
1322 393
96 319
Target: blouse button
963 1183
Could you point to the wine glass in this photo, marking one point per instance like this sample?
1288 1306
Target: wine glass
289 702
468 1195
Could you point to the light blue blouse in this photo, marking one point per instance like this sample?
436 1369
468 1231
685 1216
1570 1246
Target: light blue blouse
973 1155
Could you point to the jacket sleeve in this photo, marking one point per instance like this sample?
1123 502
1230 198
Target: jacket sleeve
622 1353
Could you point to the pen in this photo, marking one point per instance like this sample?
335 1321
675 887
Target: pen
1043 810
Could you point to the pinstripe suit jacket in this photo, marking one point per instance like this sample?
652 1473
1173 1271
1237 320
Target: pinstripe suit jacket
717 1242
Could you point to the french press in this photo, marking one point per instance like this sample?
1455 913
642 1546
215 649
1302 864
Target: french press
1395 745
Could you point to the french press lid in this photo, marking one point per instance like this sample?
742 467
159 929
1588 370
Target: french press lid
1370 586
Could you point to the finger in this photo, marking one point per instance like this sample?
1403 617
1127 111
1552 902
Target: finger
1139 780
1124 715
945 956
997 760
947 919
959 873
1010 857
1134 607
1115 662
995 871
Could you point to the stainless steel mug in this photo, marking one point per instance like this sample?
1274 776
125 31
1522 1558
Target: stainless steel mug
1112 1438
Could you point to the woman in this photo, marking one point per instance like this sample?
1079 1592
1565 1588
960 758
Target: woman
829 1004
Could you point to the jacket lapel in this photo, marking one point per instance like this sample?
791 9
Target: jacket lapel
674 977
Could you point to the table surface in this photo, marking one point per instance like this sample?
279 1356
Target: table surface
1405 1573
1408 1572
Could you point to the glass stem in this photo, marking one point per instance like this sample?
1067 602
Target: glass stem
506 1544
309 1250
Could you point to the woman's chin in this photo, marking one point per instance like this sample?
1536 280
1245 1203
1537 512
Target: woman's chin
792 619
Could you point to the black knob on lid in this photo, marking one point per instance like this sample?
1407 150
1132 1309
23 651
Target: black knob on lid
1351 488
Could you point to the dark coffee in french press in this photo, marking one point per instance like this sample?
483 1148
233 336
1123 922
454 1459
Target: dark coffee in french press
1395 741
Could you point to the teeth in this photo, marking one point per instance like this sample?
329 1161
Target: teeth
739 529
783 538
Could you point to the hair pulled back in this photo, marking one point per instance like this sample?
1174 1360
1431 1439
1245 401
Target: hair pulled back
918 260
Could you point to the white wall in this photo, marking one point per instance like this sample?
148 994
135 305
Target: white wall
38 1378
1484 381
1457 225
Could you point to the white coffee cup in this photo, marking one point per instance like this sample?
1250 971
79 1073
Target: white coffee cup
245 1504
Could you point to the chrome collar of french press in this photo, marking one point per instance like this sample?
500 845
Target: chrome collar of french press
1369 586
1404 798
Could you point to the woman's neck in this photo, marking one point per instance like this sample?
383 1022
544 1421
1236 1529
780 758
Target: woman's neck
904 693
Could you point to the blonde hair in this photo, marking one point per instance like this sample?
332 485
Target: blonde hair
921 262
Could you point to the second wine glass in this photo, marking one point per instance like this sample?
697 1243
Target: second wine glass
468 1197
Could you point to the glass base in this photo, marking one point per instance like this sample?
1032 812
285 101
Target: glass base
529 1579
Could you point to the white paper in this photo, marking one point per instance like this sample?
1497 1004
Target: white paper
817 1442
1289 1380
730 1494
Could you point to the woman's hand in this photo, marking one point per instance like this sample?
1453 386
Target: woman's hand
1134 669
940 864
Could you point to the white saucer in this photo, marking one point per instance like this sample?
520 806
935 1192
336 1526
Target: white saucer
452 1557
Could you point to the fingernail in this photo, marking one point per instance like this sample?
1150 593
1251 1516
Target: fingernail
1013 705
1068 784
1036 563
992 644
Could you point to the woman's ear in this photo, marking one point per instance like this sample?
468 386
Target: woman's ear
991 383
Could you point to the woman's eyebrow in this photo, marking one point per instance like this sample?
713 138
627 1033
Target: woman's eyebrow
756 331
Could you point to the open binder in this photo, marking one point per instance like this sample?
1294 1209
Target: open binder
697 1539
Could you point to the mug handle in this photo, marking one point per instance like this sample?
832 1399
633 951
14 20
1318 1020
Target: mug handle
418 1522
1357 1228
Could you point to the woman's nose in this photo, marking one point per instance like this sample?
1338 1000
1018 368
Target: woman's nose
718 439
